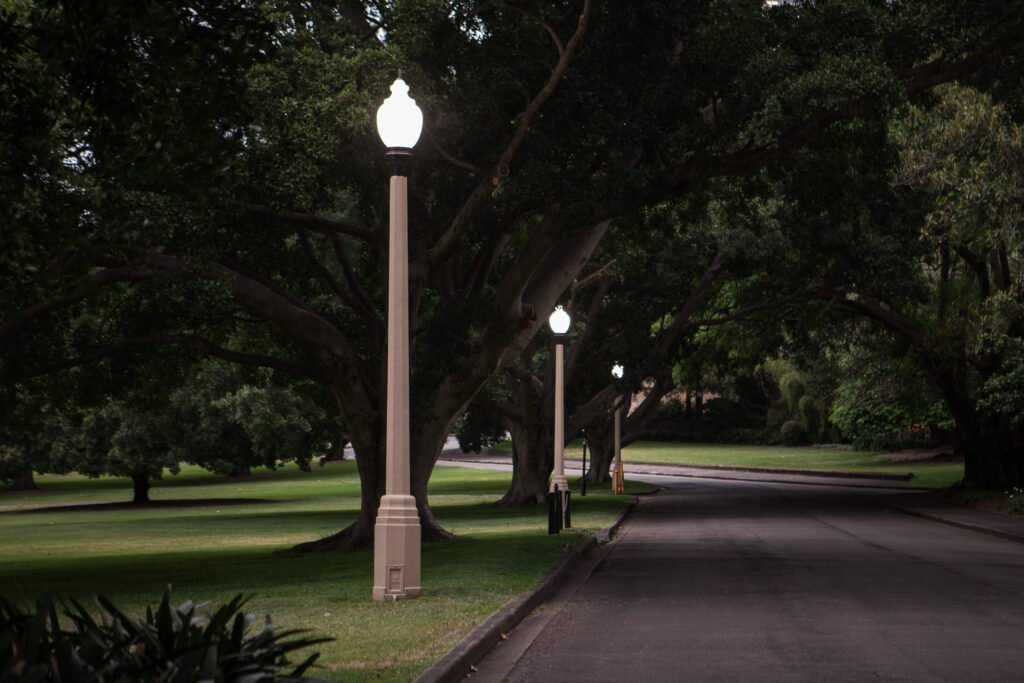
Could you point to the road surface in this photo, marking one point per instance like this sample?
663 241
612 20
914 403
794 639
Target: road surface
716 580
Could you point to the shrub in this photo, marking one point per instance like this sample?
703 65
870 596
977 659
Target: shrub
792 432
662 434
747 436
171 645
793 388
890 441
670 409
809 411
477 430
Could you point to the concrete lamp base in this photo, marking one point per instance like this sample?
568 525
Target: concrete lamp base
396 550
560 481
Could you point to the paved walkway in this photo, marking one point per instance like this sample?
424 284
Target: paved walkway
739 576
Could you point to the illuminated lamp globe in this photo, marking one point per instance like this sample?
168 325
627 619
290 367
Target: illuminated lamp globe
399 120
559 321
617 371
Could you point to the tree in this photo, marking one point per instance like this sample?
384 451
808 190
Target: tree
25 435
266 247
962 157
883 400
229 419
120 439
694 290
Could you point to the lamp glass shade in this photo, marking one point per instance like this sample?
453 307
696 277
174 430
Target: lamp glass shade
399 120
617 371
559 321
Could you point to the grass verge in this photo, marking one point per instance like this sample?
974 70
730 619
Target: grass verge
925 474
211 546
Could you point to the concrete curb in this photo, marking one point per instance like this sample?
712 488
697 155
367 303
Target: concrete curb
964 525
673 469
986 529
458 661
813 473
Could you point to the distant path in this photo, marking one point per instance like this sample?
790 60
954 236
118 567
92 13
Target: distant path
716 580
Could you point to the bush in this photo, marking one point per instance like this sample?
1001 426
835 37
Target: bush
792 432
171 645
671 409
793 388
662 434
746 436
890 441
476 431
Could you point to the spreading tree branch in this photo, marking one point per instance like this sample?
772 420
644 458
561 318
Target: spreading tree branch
355 14
915 81
370 313
98 280
540 22
481 194
318 223
336 286
197 341
458 163
876 311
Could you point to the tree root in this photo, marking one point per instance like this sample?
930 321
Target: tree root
359 536
520 499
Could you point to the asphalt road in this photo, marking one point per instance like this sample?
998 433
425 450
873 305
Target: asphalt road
757 581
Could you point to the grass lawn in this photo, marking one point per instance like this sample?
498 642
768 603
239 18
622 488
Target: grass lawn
213 552
925 474
232 540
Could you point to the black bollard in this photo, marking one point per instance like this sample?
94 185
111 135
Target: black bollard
583 479
554 511
566 511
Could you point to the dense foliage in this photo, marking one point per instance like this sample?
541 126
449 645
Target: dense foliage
175 644
206 176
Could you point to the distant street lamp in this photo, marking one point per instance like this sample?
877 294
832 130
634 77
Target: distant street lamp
618 484
396 554
559 322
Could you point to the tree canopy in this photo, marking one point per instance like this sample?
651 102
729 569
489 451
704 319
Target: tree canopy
207 174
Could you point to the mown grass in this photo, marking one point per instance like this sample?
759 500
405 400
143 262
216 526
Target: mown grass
925 474
213 552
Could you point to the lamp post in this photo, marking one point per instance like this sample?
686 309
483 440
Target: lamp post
559 322
396 554
617 478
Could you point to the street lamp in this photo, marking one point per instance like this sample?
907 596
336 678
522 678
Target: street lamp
618 485
396 553
559 322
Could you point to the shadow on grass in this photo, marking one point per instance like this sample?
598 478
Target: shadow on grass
191 476
203 575
484 561
151 505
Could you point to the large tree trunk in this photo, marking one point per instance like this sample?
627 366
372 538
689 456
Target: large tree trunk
1005 457
338 449
360 533
369 450
991 448
994 457
968 438
601 439
532 462
140 488
24 482
371 465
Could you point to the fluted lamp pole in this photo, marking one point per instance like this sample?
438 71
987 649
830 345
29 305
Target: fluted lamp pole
396 550
617 477
559 322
